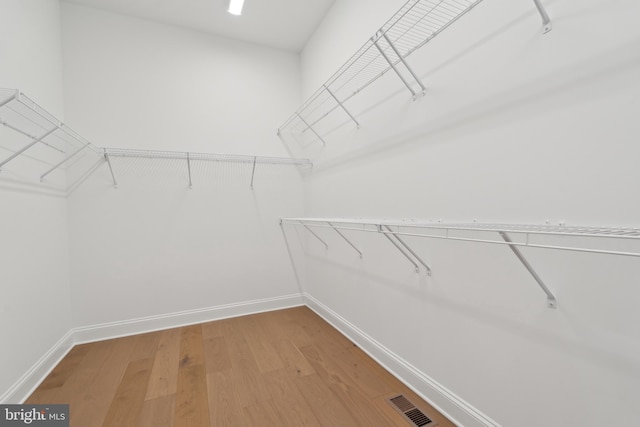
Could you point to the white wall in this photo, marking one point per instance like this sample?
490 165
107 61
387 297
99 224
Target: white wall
34 254
153 246
518 127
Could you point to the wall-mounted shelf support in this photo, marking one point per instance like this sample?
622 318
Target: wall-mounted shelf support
189 170
315 235
65 160
346 240
551 299
106 157
411 251
34 142
312 129
376 41
253 170
546 21
398 247
341 105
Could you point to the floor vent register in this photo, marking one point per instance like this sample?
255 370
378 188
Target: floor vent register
414 415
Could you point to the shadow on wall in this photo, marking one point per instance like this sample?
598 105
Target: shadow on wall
578 350
598 76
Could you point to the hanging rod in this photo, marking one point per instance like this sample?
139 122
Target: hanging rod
466 231
415 24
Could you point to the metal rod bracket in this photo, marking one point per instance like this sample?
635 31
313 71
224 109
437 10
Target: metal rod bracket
551 299
106 157
345 238
341 105
415 255
312 129
189 170
315 235
546 21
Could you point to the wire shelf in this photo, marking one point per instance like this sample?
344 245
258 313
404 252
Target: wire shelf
590 239
414 25
23 115
183 155
190 167
477 232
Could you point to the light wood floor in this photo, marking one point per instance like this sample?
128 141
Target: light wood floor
282 368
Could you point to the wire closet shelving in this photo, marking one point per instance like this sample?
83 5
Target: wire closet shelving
21 114
189 160
598 240
414 25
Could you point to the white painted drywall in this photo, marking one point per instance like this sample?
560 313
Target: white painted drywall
519 127
34 256
153 246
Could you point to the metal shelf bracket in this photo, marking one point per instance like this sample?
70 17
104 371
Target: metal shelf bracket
345 238
315 235
397 245
411 251
312 129
375 39
106 157
189 170
341 105
546 21
253 170
551 299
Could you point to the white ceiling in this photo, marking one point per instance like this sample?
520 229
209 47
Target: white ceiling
281 24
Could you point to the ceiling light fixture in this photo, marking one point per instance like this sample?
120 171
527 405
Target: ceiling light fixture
235 7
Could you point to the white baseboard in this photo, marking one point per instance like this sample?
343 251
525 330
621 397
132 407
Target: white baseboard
449 404
31 379
23 388
182 318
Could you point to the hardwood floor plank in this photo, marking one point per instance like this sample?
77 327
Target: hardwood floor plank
192 399
293 359
326 406
346 389
368 380
164 374
43 397
292 407
216 354
127 403
158 412
214 329
224 407
65 368
191 349
262 414
146 345
192 402
260 342
93 399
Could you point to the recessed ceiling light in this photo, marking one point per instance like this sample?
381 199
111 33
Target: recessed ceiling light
235 7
